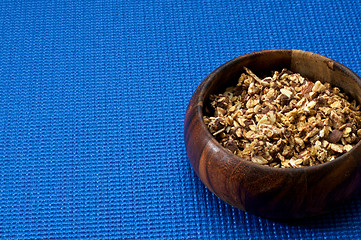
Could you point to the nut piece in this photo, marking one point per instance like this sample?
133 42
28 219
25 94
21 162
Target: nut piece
335 136
284 120
336 147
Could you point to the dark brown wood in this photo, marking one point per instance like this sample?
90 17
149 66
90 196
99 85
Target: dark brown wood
262 190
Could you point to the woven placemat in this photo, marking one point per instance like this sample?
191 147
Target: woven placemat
93 97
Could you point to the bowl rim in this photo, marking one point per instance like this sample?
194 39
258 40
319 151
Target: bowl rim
207 81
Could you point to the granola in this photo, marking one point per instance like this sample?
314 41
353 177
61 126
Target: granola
284 120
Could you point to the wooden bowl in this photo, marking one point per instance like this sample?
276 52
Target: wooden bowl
288 193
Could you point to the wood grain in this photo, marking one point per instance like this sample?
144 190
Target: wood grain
262 190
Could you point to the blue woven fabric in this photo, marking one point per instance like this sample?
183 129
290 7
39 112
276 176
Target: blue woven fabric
92 102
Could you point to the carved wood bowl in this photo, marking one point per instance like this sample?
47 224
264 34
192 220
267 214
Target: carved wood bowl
278 193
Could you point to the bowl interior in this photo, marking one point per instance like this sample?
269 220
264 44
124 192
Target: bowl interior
310 65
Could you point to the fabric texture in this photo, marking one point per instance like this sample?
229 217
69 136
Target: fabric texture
92 102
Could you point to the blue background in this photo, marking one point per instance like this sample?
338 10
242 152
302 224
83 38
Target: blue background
92 102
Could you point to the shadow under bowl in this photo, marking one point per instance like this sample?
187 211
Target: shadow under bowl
278 193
